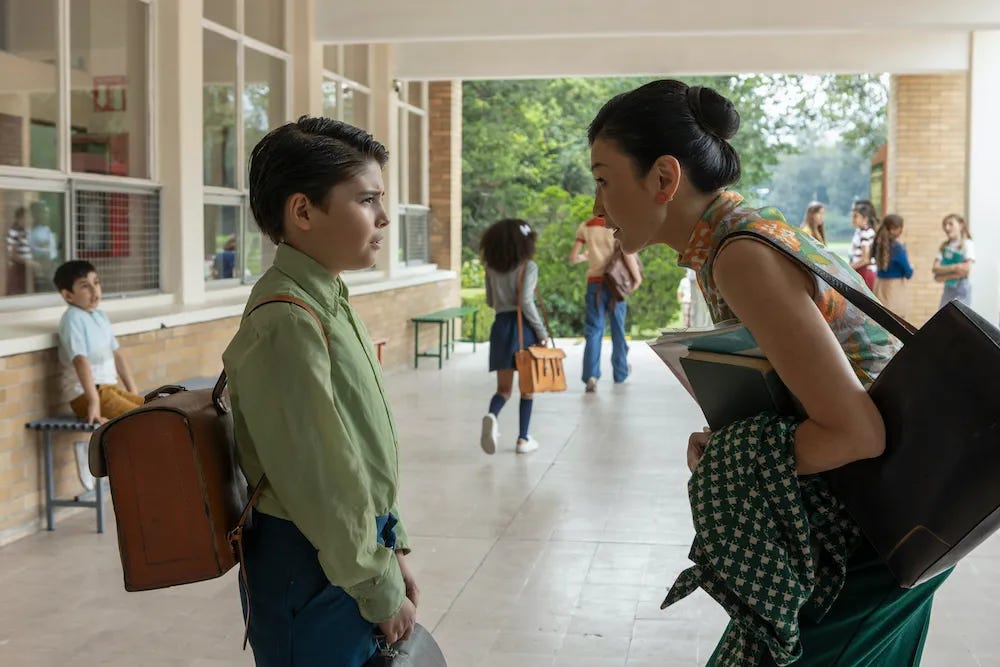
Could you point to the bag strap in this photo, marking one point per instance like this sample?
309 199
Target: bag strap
235 536
882 316
520 315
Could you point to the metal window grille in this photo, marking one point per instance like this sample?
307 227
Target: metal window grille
415 234
118 231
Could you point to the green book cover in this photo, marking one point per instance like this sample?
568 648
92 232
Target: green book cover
729 388
729 337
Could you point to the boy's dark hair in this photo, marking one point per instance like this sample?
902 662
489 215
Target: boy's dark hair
67 274
692 123
309 156
506 244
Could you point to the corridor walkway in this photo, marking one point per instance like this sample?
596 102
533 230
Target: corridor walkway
557 558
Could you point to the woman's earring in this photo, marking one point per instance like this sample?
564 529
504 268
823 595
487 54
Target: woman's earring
661 198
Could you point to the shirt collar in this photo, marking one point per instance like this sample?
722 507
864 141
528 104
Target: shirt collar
310 276
700 244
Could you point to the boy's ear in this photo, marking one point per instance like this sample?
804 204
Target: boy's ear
66 294
297 211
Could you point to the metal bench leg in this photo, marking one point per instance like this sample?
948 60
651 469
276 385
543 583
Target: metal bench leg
416 344
99 497
50 491
440 345
447 338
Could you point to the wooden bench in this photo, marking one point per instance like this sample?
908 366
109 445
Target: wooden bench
71 423
446 333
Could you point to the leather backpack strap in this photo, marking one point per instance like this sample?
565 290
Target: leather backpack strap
882 316
520 315
545 314
235 536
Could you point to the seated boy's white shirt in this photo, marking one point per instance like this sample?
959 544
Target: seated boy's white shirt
89 335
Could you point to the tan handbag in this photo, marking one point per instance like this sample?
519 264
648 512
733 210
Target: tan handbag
539 368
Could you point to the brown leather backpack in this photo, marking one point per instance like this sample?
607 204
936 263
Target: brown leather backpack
179 495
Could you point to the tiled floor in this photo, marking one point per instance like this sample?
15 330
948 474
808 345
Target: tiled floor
560 557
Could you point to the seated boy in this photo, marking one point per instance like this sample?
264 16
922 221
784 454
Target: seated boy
89 351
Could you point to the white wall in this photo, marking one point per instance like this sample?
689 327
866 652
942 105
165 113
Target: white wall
984 171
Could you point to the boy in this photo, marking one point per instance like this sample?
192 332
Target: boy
325 557
92 362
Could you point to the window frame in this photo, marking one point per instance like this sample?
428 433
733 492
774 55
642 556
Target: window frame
343 82
64 180
239 195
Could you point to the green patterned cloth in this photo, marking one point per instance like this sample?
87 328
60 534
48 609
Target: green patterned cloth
769 544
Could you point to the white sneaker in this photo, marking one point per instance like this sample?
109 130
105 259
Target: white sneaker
591 385
80 449
490 435
525 446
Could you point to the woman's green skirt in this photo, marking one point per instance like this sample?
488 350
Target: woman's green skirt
873 623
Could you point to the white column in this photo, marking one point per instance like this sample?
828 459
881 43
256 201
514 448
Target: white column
179 149
385 127
984 170
307 60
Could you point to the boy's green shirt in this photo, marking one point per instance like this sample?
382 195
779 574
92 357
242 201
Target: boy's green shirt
315 419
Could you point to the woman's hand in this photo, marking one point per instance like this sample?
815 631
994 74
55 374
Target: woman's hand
696 447
412 592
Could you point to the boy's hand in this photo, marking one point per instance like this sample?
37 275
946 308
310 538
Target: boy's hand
400 626
94 410
94 413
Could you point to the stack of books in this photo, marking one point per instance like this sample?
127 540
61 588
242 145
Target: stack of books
724 370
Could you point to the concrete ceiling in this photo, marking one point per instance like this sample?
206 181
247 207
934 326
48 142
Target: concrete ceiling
533 38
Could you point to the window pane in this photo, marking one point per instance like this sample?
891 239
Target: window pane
355 106
109 87
330 99
259 251
119 233
265 20
355 65
33 240
331 58
221 11
222 228
415 167
263 96
219 110
414 94
29 103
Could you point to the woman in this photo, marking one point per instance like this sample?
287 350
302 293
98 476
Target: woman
661 161
812 223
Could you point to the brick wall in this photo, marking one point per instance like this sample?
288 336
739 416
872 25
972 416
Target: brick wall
29 389
927 165
387 315
445 155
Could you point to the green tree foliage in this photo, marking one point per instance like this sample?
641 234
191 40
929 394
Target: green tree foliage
522 137
525 155
834 175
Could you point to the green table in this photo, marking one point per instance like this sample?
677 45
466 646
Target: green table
446 333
